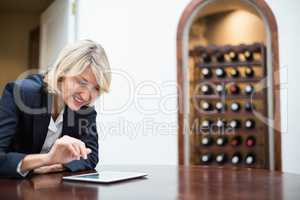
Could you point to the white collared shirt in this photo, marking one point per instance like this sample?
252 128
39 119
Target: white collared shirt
54 132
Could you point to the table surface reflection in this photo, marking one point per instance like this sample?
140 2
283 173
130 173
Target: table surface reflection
163 182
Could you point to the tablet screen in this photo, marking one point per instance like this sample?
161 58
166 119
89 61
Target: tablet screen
94 176
106 176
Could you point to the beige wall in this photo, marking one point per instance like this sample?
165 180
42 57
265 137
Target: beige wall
234 28
14 39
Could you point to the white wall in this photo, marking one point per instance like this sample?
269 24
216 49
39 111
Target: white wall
287 15
140 39
57 29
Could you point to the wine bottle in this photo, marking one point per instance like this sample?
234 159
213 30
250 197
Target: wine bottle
250 141
206 106
220 158
249 106
206 141
249 124
220 123
206 58
220 106
233 56
206 89
220 88
220 56
206 157
249 72
234 73
206 72
236 158
236 141
234 123
235 106
250 159
248 89
234 88
257 52
221 141
205 124
248 55
220 72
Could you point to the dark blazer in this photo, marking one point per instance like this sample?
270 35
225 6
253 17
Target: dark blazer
25 113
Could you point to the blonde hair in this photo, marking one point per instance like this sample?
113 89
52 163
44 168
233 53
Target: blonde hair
74 59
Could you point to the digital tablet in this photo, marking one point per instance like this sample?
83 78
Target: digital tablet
105 176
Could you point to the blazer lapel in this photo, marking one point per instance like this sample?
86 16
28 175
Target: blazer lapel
41 122
69 122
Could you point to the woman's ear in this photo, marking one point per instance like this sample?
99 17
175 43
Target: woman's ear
45 78
60 83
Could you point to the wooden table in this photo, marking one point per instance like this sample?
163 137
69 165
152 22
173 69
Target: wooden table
163 182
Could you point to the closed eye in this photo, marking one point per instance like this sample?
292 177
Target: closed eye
83 82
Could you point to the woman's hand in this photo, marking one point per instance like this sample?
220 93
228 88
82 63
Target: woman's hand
67 149
64 150
49 169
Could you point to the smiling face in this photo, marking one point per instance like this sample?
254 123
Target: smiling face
80 90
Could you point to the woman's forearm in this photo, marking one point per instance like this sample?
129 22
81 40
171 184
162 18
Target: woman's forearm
64 150
49 169
33 161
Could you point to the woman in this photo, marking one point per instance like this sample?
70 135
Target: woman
47 121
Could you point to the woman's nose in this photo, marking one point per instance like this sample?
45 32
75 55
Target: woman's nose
85 95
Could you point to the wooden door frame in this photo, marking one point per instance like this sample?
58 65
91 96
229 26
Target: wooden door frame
262 7
34 48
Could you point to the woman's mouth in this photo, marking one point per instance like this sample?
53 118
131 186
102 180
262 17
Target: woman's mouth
79 101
